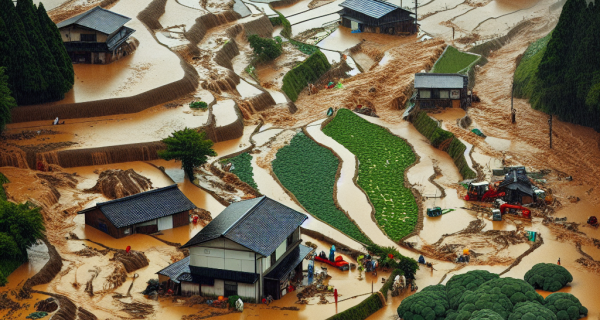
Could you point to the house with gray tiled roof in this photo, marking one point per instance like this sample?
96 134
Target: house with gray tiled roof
146 212
377 16
252 249
97 36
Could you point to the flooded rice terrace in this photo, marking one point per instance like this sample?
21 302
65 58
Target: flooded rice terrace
245 120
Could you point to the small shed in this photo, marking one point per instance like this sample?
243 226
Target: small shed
145 212
377 16
443 90
518 188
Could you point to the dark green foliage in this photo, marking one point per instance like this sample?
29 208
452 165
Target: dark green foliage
242 167
198 105
383 157
304 48
6 45
531 311
390 281
429 304
566 81
54 41
408 266
7 266
308 71
439 138
7 102
3 180
485 314
265 49
453 61
469 281
491 298
525 79
362 310
275 21
565 305
516 290
308 171
188 146
287 27
548 276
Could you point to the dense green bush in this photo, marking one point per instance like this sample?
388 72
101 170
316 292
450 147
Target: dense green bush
3 180
362 310
453 61
565 306
491 298
275 21
308 171
548 276
265 49
198 105
525 78
408 266
439 137
383 159
431 303
485 314
304 48
531 311
469 281
516 290
287 27
390 281
7 102
242 167
308 71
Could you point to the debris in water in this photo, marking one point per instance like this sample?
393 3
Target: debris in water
115 184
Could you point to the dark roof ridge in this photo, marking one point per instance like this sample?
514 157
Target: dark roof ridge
133 196
85 14
243 217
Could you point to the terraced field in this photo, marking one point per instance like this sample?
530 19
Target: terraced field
242 167
383 159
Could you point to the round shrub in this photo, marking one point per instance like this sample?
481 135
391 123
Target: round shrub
485 314
492 299
548 276
565 306
531 311
469 281
516 290
429 304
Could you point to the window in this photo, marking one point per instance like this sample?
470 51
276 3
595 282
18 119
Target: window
231 289
424 94
88 37
444 94
273 258
127 231
290 240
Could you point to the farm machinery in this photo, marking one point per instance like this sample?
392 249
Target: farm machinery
513 209
481 191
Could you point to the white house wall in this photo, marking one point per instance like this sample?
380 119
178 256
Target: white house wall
247 290
218 289
280 250
73 33
224 259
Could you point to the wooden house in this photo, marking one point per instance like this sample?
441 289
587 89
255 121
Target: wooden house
97 36
445 90
377 16
518 188
146 212
252 249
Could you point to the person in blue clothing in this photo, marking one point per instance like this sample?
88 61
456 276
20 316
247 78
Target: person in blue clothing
332 253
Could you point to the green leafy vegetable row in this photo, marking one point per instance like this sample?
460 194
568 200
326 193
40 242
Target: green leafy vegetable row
308 71
242 167
383 158
308 171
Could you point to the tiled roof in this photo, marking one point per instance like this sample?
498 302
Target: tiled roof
259 224
144 206
98 19
439 81
174 270
289 262
372 8
516 181
204 275
115 41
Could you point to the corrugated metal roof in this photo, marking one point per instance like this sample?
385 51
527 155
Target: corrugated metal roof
439 80
174 270
372 8
144 206
98 19
259 224
289 262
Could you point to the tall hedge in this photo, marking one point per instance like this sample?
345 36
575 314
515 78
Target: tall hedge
439 139
308 71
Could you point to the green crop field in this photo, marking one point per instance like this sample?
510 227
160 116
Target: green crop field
383 158
453 61
308 171
242 167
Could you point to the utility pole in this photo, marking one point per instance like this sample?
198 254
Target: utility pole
513 112
550 132
452 33
416 17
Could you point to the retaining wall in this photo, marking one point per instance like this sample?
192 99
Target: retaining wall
152 13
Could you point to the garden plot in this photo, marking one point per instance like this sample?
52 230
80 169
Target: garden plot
436 6
308 171
177 15
314 23
383 160
453 61
317 12
225 113
241 166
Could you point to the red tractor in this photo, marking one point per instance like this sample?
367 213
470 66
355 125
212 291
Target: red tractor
481 191
526 213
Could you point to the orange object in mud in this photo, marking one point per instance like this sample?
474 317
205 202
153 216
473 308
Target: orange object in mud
465 252
526 212
128 249
221 298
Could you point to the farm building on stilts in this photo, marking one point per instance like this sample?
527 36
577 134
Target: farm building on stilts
377 16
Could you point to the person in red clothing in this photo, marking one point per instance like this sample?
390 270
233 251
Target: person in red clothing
559 261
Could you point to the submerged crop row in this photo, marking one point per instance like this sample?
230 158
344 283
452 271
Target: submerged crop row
383 158
242 167
308 171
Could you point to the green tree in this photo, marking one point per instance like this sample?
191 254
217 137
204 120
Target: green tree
24 72
7 102
265 48
6 46
531 311
429 304
548 276
469 281
54 82
188 146
22 222
57 47
565 305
